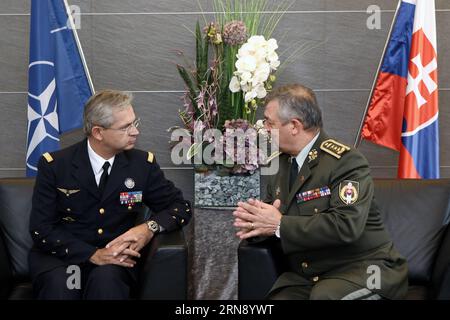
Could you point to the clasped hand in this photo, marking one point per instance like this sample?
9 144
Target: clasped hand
256 218
125 248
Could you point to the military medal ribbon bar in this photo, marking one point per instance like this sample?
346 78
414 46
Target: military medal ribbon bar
130 198
313 194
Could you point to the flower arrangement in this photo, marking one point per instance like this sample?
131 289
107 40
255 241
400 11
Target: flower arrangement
235 68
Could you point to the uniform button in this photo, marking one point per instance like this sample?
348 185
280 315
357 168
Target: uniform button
182 221
68 209
102 211
100 231
187 210
176 209
305 265
43 241
130 207
315 279
316 210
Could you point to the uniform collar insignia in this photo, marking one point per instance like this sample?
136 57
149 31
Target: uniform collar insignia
278 192
312 155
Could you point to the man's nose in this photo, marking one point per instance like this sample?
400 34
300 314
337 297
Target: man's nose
134 131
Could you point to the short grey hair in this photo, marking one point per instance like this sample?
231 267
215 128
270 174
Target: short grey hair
297 102
98 111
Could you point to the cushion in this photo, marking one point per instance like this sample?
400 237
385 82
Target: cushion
416 214
15 207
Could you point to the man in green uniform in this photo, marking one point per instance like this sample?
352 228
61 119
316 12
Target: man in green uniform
321 207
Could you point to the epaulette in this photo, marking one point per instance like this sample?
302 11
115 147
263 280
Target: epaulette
48 157
334 148
150 157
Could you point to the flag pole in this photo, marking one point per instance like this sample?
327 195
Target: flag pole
358 135
80 50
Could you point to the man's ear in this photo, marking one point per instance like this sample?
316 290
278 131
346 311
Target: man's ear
97 133
297 126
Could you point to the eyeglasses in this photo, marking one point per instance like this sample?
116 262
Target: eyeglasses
127 129
270 124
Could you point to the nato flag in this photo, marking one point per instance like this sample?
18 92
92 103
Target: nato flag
58 84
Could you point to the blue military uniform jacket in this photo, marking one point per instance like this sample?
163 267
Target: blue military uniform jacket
70 219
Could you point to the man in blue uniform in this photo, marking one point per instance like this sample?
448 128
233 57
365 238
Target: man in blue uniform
85 204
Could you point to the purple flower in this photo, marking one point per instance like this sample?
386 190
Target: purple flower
234 33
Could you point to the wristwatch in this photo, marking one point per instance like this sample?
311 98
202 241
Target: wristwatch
277 231
153 226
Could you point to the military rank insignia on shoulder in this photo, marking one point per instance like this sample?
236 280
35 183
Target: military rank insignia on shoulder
334 148
150 157
48 157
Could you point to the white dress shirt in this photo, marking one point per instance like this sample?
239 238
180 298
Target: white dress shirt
97 163
304 153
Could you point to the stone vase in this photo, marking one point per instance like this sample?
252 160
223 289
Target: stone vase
218 188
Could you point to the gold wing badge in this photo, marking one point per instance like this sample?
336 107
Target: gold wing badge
68 192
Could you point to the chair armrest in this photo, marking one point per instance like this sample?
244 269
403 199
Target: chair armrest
259 266
6 276
164 272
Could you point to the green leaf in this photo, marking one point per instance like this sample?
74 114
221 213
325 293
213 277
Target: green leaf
272 156
187 80
193 150
202 47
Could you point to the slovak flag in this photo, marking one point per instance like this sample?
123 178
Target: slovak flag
58 85
403 112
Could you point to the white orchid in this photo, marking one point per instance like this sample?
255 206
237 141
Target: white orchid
235 85
261 92
246 63
272 45
256 59
249 96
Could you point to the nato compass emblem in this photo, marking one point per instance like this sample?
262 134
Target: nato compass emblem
43 125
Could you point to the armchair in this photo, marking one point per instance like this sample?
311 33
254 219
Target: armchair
416 214
163 274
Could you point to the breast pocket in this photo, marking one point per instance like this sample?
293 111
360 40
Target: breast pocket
70 201
314 206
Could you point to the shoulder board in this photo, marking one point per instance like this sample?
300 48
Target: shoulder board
48 157
334 148
150 157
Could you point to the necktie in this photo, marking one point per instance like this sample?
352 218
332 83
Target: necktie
104 177
293 173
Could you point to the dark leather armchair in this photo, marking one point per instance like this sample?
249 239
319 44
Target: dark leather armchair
416 214
163 274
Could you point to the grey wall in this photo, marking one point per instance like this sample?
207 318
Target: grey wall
129 45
